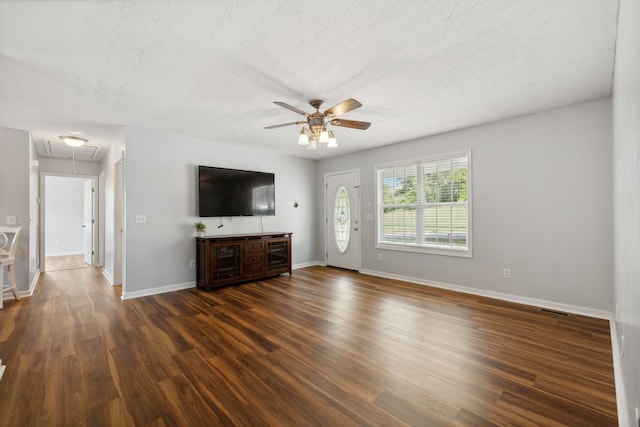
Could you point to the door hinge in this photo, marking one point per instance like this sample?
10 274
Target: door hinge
92 253
93 221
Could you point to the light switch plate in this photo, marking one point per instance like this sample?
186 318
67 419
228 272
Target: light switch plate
141 219
11 220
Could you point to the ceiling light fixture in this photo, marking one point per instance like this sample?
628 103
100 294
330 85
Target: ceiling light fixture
316 133
311 139
74 141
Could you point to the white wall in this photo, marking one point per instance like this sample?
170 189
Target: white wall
64 202
161 182
626 109
65 166
14 196
541 207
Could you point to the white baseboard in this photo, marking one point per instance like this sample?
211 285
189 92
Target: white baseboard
34 283
107 276
307 264
64 253
568 308
621 399
8 295
155 291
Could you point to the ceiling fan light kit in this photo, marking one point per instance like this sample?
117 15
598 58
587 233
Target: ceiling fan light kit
316 133
304 138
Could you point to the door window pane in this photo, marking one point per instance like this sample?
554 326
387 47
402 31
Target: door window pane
342 220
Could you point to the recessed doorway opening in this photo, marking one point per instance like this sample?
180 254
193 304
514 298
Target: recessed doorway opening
68 222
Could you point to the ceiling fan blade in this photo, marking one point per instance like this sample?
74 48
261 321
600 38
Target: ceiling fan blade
285 124
292 108
343 107
353 124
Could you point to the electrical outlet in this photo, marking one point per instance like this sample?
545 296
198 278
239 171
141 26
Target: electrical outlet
192 263
11 220
379 257
506 273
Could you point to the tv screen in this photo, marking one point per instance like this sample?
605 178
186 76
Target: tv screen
232 192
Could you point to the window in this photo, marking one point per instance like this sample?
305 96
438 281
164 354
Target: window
424 206
342 220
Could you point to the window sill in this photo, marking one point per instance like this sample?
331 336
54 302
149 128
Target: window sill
461 253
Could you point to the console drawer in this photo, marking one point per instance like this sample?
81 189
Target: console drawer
254 246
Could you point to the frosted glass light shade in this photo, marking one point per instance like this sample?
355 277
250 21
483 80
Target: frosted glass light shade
332 141
303 139
324 137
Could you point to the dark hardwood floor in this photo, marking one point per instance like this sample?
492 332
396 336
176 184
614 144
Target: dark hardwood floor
325 347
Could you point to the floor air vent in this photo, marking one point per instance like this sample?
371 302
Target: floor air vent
559 313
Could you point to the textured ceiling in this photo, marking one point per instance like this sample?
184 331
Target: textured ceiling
211 69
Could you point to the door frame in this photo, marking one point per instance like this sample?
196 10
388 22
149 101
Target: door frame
358 218
119 225
43 225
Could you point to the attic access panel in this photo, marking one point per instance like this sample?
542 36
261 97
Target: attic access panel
61 150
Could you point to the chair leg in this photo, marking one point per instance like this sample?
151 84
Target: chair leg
12 279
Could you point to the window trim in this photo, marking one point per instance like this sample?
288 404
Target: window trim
455 252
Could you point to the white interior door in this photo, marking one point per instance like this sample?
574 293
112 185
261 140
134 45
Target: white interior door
342 202
87 224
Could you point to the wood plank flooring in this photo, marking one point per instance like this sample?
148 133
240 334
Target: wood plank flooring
325 347
65 262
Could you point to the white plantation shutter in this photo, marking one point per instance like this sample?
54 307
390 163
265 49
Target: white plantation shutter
425 205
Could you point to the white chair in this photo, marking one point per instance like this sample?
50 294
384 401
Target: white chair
8 244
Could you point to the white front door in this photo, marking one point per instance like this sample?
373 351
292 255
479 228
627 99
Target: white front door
342 219
87 225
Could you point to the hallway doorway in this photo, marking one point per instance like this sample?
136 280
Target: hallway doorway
68 233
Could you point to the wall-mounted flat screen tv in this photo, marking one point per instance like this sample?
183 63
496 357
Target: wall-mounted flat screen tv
233 192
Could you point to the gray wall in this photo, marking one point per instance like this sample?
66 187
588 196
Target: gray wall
541 207
626 113
161 182
15 185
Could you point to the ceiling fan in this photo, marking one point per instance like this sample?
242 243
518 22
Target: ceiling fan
318 121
